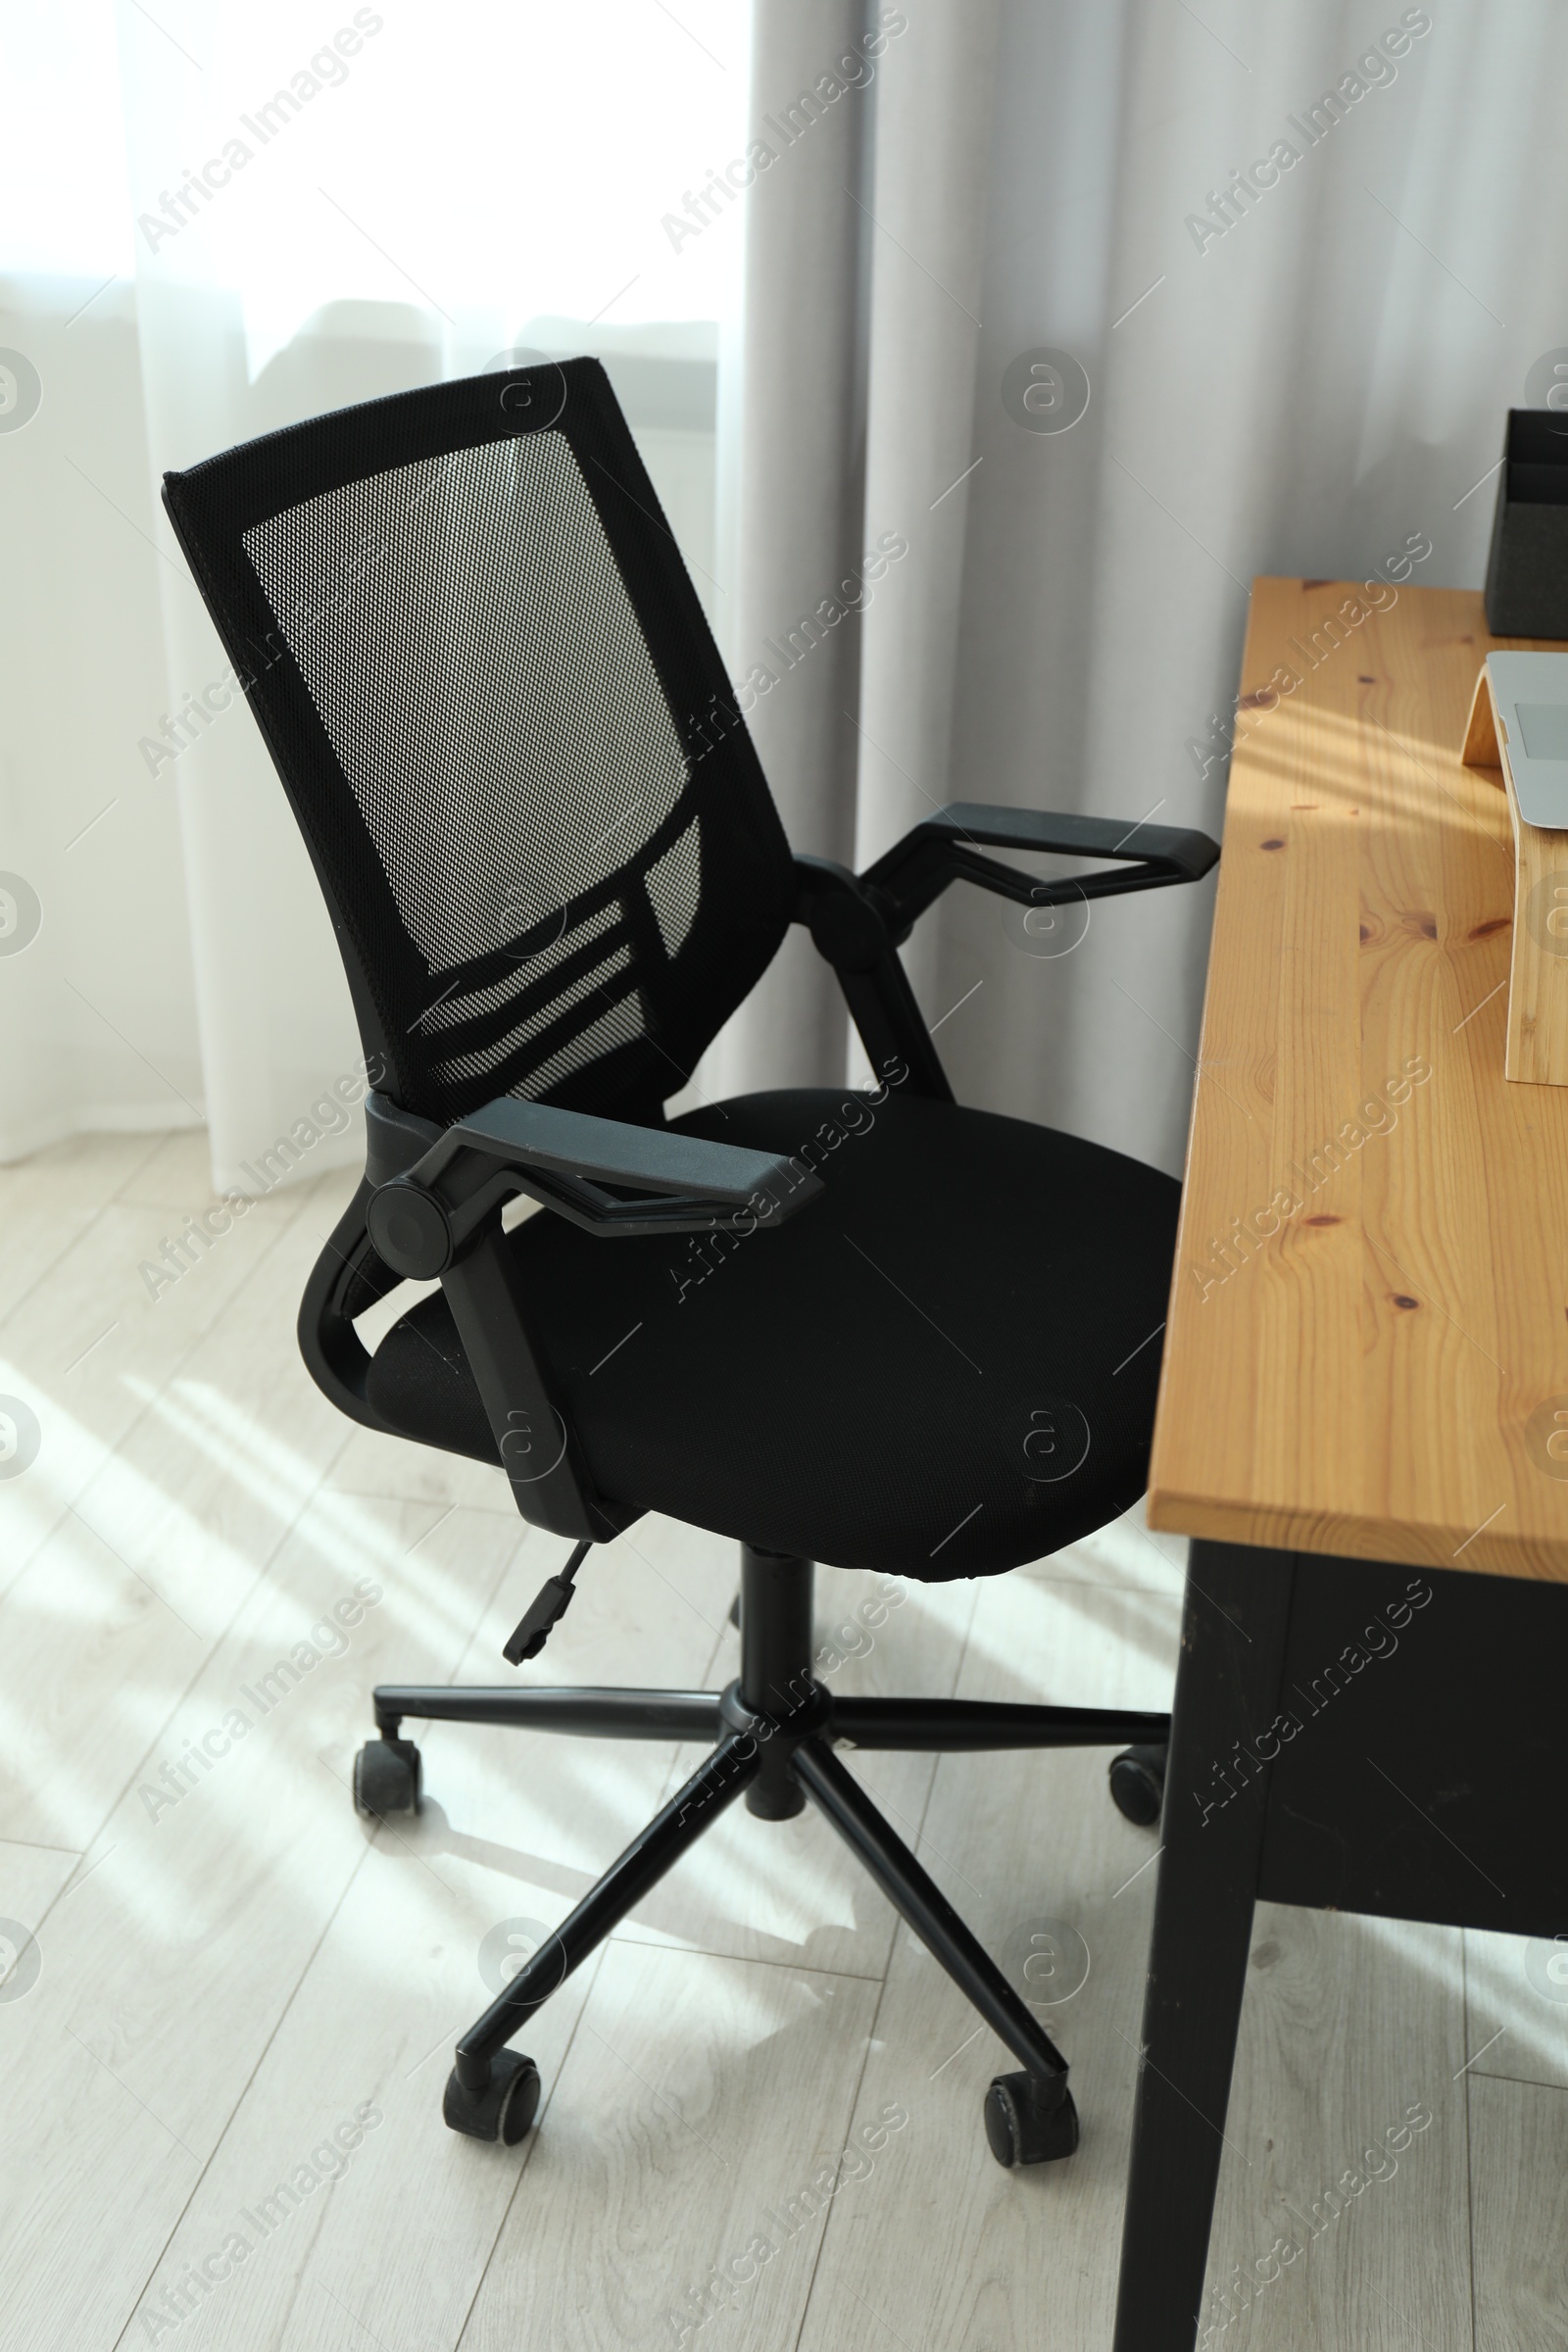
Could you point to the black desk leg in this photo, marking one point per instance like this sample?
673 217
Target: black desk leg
1234 1624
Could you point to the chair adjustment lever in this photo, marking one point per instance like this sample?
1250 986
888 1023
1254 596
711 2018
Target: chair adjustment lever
544 1612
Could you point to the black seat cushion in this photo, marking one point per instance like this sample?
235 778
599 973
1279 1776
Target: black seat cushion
944 1366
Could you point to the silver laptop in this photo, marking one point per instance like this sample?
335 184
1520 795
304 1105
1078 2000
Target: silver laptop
1530 692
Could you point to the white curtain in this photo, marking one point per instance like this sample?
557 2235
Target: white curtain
870 223
1306 377
267 216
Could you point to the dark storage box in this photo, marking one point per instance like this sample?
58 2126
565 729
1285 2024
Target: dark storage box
1527 571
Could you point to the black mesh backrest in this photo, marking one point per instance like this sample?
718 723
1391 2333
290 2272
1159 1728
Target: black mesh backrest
506 732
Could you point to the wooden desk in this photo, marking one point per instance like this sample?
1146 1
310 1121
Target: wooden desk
1360 1376
1366 1355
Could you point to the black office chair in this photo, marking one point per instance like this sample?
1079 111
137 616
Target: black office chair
868 1328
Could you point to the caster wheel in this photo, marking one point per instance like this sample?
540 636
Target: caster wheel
504 2109
388 1778
1138 1783
1030 2121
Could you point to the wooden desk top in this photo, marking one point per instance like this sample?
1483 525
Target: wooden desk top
1368 1335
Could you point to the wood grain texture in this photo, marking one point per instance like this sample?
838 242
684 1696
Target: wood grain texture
1368 1333
1538 982
1344 2183
161 1495
391 2244
1516 2007
168 1963
697 2146
1537 1049
47 1201
1519 2208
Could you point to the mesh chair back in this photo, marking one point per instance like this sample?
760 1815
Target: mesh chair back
489 689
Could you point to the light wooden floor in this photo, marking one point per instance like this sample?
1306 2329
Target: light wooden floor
228 1978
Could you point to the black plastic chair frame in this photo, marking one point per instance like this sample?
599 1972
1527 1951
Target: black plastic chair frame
431 1206
431 1200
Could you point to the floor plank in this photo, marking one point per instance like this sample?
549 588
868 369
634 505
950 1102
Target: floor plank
85 1349
48 1202
553 1812
227 1976
31 1879
159 1545
176 1176
688 2162
1519 2209
394 2234
1517 1988
516 1826
945 2248
1126 1555
171 1961
1342 2213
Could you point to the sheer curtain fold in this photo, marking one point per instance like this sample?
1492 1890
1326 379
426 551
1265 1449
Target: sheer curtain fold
1297 365
790 626
263 254
925 589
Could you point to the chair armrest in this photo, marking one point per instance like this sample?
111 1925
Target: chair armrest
858 921
435 1187
946 848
